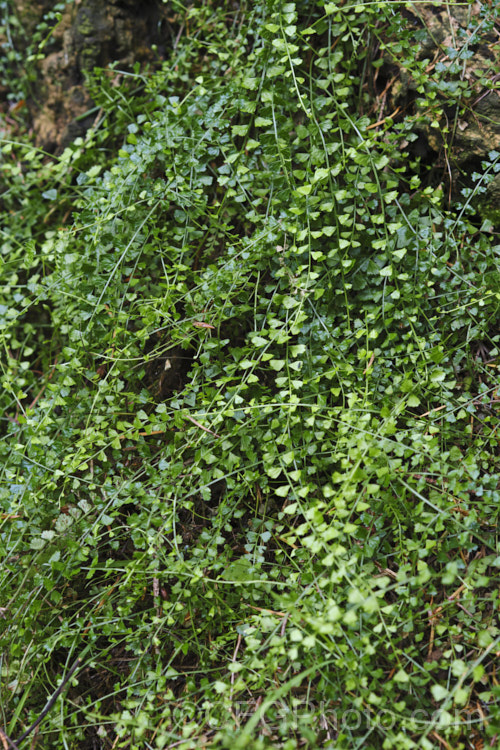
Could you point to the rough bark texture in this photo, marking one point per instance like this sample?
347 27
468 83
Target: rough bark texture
476 132
91 33
97 32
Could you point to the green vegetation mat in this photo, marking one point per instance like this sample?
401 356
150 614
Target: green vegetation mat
250 359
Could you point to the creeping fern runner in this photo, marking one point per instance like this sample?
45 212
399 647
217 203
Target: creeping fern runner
250 452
